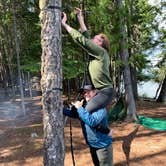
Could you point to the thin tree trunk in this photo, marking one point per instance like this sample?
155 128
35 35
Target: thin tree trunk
18 63
30 85
51 82
162 95
129 97
132 34
8 51
134 82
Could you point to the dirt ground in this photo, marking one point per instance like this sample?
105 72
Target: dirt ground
21 138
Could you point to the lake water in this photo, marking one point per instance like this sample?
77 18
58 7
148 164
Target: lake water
147 89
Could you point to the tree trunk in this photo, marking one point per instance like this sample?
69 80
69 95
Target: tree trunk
133 35
129 97
18 63
162 95
134 82
9 53
30 85
51 82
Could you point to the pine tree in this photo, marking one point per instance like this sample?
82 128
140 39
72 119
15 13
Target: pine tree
51 82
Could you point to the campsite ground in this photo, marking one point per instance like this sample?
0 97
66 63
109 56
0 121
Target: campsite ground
21 138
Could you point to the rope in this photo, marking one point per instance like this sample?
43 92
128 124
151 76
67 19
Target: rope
70 123
71 138
71 143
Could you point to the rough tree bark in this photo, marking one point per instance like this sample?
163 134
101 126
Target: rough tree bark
51 82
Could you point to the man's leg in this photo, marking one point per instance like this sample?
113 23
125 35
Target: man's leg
105 156
94 157
101 100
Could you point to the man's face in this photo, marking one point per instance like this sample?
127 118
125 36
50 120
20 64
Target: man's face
89 94
98 40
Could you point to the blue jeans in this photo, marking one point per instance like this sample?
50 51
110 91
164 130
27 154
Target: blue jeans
101 100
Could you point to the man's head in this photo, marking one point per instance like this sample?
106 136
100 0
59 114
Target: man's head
88 92
102 41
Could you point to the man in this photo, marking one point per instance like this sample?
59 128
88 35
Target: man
100 144
97 48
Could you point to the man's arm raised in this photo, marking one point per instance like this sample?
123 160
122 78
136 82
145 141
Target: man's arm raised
80 18
64 24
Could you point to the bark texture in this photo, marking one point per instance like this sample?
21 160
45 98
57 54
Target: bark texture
51 83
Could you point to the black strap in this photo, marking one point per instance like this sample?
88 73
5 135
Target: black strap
54 89
52 8
60 89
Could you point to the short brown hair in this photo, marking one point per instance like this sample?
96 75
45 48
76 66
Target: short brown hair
106 42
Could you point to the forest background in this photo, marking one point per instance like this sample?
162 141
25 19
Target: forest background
20 42
135 32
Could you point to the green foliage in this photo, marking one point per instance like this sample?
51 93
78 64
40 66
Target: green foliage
159 71
118 112
6 18
72 63
139 60
32 66
100 16
144 76
147 25
72 68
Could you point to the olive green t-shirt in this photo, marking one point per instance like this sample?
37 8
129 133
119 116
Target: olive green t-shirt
99 61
